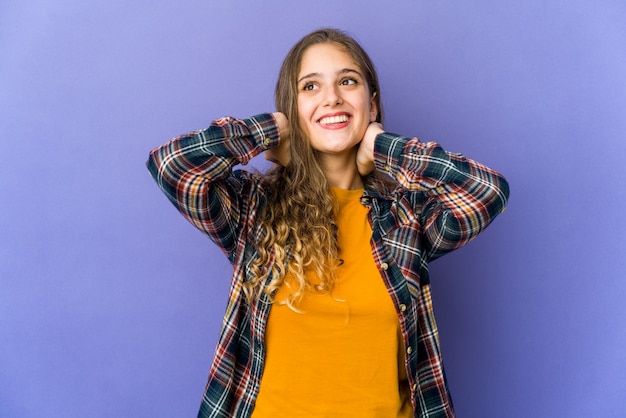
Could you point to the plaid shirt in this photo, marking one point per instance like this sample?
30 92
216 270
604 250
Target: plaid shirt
442 202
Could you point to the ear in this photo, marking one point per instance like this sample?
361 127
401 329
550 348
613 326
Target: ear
373 108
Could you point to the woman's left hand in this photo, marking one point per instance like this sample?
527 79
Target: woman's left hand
365 153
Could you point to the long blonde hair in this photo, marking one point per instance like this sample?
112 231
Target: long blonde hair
298 229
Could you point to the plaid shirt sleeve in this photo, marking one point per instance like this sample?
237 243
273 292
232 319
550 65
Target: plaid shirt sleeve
463 196
195 173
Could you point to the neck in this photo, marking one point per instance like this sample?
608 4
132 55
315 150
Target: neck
341 171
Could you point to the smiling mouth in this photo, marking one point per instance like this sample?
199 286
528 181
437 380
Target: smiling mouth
329 120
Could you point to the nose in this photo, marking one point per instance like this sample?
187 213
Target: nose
332 96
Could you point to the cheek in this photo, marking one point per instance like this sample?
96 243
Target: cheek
304 108
367 112
305 113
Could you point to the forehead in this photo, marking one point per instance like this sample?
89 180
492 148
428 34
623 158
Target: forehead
326 56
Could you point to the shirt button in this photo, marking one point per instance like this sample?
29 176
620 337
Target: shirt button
266 142
402 307
414 387
384 266
409 350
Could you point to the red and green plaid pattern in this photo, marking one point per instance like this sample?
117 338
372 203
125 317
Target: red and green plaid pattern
443 200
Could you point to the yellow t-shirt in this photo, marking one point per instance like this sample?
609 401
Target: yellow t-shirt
342 355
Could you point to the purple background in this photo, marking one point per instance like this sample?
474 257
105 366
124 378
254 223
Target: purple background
110 303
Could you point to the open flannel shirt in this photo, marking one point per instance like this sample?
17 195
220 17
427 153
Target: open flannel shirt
442 201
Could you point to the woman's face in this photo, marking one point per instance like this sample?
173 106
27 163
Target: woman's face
334 103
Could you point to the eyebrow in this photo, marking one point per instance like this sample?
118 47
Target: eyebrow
341 72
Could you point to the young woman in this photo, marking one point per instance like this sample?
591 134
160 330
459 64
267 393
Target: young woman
329 311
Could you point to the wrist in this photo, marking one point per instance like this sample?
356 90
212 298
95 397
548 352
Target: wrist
282 123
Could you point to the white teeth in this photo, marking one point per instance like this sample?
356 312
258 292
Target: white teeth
334 119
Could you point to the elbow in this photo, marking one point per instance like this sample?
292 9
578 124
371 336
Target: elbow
501 197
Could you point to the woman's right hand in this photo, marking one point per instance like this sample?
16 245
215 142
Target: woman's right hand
280 154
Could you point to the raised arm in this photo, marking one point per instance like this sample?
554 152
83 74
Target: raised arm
462 195
195 173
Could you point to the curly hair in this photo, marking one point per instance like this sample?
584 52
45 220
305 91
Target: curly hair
298 229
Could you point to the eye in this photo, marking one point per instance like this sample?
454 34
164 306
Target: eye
309 87
348 81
